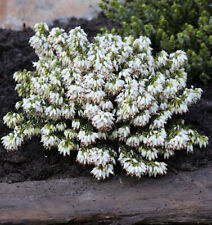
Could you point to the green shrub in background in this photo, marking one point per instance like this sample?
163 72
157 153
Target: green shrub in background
171 25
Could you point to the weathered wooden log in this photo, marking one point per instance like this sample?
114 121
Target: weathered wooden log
182 198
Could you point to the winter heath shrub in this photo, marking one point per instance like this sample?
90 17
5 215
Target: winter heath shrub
110 100
171 25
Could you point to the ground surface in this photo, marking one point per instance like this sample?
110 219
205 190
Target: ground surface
32 162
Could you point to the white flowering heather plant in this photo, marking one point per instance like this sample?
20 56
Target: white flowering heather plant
109 100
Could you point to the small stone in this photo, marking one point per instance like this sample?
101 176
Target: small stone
24 13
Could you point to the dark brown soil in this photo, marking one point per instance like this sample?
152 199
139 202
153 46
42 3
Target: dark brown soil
32 162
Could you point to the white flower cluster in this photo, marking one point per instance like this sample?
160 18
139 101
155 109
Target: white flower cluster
109 100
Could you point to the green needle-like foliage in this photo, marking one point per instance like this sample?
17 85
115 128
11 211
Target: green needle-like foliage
171 25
